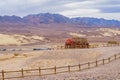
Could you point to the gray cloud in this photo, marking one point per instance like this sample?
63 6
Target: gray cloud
111 10
27 6
71 8
108 6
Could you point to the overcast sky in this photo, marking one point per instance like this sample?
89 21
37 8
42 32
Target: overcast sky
109 9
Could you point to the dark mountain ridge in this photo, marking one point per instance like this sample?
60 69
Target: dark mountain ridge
48 18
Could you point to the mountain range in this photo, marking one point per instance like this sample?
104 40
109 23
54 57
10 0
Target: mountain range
48 18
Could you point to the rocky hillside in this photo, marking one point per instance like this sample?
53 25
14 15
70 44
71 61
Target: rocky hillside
48 18
55 28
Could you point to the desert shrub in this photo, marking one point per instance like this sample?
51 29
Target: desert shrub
16 54
112 42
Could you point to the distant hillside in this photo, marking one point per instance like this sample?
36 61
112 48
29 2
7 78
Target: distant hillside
95 22
47 18
10 19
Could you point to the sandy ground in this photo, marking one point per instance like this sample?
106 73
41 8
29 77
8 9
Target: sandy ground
16 39
37 59
109 71
51 58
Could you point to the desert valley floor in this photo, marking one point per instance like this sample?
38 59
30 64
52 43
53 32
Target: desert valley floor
29 59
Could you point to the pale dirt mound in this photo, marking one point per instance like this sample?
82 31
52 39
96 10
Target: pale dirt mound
15 39
115 31
77 35
109 32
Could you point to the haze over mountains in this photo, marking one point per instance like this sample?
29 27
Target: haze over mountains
48 18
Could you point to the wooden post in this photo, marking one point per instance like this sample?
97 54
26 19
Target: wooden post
55 70
103 61
88 65
3 76
39 71
96 63
115 56
22 71
79 67
109 59
68 68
